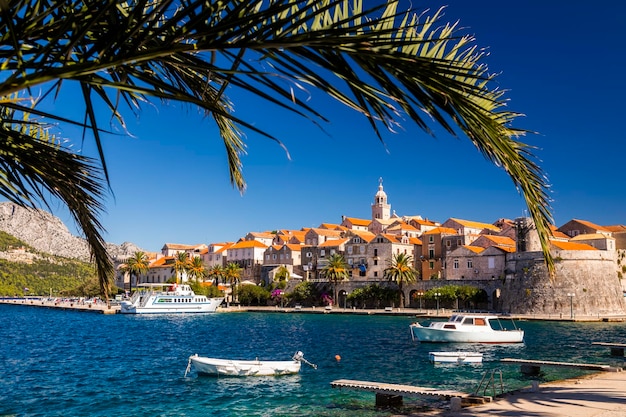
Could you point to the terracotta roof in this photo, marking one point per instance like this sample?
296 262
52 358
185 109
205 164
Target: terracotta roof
556 233
591 225
616 228
571 245
248 244
588 236
415 241
475 225
364 234
331 226
178 246
293 246
333 243
441 230
500 240
327 232
358 222
474 249
225 248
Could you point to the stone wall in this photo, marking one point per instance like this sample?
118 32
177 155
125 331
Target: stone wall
589 275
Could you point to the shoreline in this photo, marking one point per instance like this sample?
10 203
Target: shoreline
409 312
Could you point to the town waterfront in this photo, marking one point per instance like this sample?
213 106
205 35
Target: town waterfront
58 362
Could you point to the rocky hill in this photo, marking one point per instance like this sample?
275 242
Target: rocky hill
48 234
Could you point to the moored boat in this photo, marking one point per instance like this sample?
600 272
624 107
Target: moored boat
455 357
467 328
237 367
168 298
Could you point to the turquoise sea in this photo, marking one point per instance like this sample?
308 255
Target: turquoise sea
66 363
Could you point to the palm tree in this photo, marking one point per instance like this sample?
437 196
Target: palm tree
401 271
136 265
216 273
196 269
386 64
181 265
335 270
232 273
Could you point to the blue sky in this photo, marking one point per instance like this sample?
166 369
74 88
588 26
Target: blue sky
562 62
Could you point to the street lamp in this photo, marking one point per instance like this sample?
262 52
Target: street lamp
437 295
571 296
420 294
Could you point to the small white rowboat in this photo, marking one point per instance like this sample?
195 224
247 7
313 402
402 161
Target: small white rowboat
455 357
236 367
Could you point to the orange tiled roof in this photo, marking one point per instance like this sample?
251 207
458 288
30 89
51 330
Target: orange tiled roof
415 241
333 243
591 225
225 247
243 244
358 222
500 240
571 245
616 228
476 225
557 233
441 230
588 236
475 249
363 234
327 232
293 246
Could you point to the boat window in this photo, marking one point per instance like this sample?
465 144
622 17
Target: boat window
480 322
458 319
449 326
469 321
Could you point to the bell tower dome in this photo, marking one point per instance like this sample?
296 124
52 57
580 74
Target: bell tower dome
380 208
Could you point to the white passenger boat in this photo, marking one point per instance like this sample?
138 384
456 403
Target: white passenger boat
236 367
468 328
455 357
168 298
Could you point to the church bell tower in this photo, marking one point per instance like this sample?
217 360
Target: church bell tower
380 208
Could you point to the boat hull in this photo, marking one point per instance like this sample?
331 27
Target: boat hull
227 367
434 335
210 306
455 357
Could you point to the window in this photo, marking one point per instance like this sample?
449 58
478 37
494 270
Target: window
375 261
431 265
448 243
274 256
491 262
431 253
431 239
375 252
309 255
322 253
362 249
350 250
375 274
470 263
456 264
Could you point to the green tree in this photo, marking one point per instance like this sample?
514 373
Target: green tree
135 266
196 269
304 293
232 273
384 63
181 265
336 270
253 295
401 271
217 273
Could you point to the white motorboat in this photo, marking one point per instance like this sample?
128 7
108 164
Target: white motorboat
455 357
468 328
236 367
168 298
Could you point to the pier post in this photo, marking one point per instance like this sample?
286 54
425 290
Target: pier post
388 400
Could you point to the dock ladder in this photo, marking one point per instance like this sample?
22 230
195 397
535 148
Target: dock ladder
489 380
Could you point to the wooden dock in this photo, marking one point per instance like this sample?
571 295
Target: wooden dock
533 367
617 349
391 394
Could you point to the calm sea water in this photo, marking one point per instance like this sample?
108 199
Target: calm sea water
55 363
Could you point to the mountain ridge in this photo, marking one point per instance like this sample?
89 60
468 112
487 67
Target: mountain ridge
47 233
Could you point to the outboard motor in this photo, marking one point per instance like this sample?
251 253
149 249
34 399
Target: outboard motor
299 356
